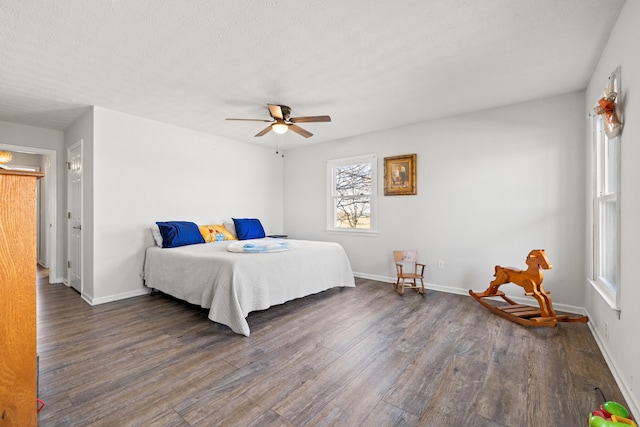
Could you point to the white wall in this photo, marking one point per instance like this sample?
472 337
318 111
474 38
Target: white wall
623 346
146 171
26 159
492 185
12 134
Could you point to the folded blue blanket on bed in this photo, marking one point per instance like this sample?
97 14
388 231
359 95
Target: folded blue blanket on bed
260 246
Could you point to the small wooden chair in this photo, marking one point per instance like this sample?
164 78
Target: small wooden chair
405 261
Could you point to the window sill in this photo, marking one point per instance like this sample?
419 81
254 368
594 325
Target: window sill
606 294
346 231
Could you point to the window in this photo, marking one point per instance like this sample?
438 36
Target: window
352 190
605 174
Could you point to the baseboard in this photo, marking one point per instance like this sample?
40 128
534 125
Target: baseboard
374 277
633 405
116 297
460 291
86 299
432 286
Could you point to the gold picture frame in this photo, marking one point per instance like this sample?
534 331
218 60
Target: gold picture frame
400 175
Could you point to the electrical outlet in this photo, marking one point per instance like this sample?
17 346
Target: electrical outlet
606 331
440 264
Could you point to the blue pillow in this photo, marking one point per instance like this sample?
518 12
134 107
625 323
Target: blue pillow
179 233
248 228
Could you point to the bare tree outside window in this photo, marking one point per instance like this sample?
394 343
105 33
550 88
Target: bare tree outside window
352 196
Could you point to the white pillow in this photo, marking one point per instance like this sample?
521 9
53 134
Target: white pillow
229 225
157 237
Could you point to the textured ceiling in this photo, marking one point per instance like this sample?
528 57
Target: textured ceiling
371 65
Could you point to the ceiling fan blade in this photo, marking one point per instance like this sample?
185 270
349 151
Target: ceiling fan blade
253 120
300 131
263 131
276 111
310 119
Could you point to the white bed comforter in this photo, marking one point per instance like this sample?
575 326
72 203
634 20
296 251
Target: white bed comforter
234 284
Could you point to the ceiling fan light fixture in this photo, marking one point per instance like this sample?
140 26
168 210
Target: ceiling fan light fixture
279 128
281 121
5 156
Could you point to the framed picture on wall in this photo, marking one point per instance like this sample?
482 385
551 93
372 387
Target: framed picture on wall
400 175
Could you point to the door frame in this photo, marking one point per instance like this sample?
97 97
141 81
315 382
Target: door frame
51 172
77 144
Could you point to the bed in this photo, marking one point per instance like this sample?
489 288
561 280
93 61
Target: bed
231 284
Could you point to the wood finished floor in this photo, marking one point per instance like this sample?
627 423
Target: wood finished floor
345 357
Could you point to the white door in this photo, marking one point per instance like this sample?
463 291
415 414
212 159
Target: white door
74 215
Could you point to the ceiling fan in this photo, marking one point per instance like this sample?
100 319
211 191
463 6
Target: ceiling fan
281 121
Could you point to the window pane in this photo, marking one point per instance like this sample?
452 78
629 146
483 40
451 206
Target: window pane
608 238
610 165
353 180
352 194
353 212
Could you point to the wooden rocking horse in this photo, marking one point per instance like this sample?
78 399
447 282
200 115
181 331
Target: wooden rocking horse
531 280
